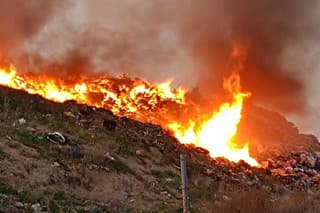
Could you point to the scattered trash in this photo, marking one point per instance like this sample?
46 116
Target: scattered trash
99 167
56 164
36 207
109 157
22 121
302 165
56 138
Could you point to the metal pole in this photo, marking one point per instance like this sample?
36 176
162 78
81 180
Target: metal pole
184 181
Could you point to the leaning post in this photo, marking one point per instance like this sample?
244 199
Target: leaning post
184 181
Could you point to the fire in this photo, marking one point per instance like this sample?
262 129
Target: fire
146 102
216 133
134 98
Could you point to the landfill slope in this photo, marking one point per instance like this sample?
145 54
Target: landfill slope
105 163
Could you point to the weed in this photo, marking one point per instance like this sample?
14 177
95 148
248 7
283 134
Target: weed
125 150
201 193
120 167
60 196
194 169
1 154
165 208
26 138
119 138
167 178
8 190
54 208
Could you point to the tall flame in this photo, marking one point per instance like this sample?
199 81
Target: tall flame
159 104
216 134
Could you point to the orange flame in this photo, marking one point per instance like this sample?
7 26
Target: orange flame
217 133
146 102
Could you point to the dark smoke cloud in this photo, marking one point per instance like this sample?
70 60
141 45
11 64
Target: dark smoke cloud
265 28
20 20
188 40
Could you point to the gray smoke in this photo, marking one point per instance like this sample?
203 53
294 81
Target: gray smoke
189 41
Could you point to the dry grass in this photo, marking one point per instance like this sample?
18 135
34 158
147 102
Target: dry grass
260 201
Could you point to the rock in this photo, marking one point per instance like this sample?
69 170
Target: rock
22 121
279 171
69 114
30 129
36 208
291 162
209 171
225 197
19 205
75 152
169 179
317 166
302 175
138 152
265 164
307 160
311 172
56 138
316 178
317 155
56 164
93 209
109 124
249 183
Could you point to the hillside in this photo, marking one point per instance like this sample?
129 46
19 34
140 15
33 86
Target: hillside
113 164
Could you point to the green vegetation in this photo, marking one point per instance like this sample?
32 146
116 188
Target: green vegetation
120 167
46 149
165 208
1 154
167 178
201 193
54 208
7 190
125 150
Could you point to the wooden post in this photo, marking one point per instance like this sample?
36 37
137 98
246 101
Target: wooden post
184 181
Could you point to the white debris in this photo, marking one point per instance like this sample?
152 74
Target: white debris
22 121
56 138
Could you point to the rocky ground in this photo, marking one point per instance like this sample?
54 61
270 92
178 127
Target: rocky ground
112 164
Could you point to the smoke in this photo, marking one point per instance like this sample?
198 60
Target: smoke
189 41
20 20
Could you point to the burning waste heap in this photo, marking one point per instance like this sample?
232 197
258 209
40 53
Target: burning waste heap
250 135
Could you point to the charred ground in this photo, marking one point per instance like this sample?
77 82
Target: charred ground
113 164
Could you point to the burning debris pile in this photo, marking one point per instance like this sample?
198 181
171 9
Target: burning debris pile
296 169
273 135
228 130
303 167
159 104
